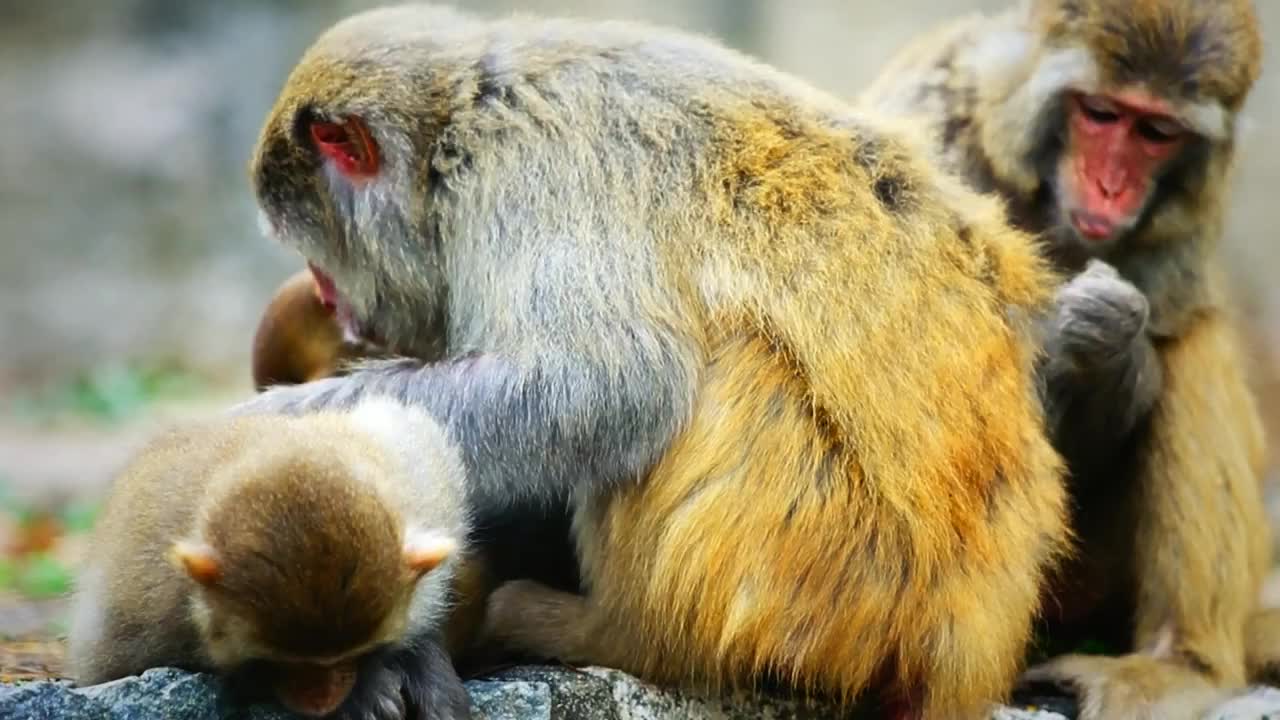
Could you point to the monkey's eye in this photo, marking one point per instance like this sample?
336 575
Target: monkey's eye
1098 109
1160 129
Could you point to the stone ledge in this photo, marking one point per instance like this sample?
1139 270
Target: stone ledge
525 693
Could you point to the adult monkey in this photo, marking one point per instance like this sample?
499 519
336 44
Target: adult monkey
715 307
1109 128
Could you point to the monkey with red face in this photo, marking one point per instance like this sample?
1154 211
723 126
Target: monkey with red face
1109 130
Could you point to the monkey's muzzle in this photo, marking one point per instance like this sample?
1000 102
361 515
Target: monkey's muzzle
314 690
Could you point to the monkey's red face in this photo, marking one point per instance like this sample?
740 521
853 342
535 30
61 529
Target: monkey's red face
1117 146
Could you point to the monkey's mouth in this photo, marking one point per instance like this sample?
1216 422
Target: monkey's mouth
1092 226
353 330
314 690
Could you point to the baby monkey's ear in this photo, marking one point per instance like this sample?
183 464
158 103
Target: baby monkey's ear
424 550
198 560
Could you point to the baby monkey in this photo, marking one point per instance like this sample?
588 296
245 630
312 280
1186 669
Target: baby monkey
301 336
316 554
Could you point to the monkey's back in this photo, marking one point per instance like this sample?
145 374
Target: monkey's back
864 485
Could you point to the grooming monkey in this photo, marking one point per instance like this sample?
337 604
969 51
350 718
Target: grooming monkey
316 555
714 309
300 337
1110 131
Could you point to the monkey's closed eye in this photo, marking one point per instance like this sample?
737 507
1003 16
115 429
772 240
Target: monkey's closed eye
348 144
1160 130
1098 110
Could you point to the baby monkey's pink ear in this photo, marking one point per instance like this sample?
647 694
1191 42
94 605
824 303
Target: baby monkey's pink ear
199 561
424 550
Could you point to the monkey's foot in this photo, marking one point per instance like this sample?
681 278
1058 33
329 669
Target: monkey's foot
1129 687
413 683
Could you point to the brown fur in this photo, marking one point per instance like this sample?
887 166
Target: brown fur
1175 534
714 573
298 339
1188 49
306 543
838 579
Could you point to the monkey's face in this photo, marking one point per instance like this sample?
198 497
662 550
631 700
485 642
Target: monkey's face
1141 99
1117 149
343 187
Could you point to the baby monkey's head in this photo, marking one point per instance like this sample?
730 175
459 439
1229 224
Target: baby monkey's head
303 567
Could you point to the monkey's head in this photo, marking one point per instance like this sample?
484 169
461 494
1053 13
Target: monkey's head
1138 102
302 570
346 167
301 338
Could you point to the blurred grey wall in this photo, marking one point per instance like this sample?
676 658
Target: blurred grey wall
126 227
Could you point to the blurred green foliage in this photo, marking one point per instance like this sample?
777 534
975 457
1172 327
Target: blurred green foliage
108 394
41 576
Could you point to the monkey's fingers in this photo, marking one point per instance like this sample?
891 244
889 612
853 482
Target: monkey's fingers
1099 317
415 682
1130 687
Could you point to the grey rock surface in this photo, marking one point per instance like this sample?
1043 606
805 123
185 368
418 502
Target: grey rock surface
526 693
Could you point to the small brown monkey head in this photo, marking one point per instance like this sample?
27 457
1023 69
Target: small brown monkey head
1139 106
298 336
347 165
305 568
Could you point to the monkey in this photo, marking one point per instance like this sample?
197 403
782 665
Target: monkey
309 556
780 365
300 338
1109 133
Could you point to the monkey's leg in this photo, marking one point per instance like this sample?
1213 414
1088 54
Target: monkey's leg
1262 647
528 617
413 682
1201 543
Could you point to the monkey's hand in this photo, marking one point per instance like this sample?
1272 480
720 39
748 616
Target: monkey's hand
1129 687
1100 373
413 682
1099 318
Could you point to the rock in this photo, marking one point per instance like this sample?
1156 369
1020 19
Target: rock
525 693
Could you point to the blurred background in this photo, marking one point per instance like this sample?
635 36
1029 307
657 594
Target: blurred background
132 273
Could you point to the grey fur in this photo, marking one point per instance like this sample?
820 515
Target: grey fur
1101 374
563 358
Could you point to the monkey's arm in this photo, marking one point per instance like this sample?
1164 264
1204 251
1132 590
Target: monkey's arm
528 431
1205 519
414 681
1201 540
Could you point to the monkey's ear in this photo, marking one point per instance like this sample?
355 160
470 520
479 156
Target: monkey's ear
348 144
198 560
424 550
